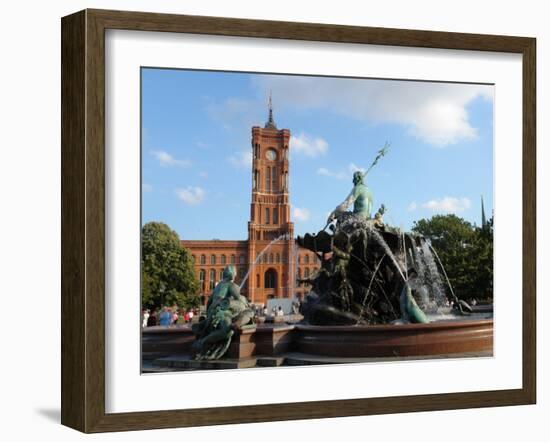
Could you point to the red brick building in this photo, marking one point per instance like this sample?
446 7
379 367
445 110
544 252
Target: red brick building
271 254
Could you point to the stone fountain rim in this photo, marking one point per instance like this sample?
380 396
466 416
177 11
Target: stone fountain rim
439 325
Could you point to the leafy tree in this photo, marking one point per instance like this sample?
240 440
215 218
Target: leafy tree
167 274
465 250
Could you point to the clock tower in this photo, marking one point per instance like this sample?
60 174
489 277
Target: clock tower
270 224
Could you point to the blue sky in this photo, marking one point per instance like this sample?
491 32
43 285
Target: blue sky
196 154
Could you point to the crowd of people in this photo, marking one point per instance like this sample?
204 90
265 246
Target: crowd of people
167 316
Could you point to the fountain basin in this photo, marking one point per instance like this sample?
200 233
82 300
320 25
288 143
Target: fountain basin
436 338
442 338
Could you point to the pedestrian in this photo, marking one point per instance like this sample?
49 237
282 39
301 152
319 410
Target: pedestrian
145 318
165 317
153 319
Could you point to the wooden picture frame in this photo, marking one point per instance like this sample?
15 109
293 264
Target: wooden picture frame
83 220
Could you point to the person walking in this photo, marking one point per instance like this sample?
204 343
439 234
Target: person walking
152 321
145 318
165 317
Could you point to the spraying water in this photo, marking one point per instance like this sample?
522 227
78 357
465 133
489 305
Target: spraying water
432 275
445 274
376 235
279 238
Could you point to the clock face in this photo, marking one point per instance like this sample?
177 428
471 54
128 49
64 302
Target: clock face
270 154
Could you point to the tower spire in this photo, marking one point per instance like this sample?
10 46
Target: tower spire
270 122
483 218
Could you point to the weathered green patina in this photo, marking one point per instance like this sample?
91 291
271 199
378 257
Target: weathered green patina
410 312
361 198
227 311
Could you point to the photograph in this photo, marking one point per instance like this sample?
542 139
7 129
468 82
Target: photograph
275 221
292 220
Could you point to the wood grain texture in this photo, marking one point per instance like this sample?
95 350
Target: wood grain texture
529 221
73 252
83 219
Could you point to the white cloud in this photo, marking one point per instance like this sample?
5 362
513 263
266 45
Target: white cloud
203 174
412 206
435 113
300 215
165 159
241 159
310 146
326 172
340 175
448 204
146 187
190 195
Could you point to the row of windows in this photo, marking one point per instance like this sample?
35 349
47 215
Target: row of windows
214 277
270 277
271 258
223 259
270 179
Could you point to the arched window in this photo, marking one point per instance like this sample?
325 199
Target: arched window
278 258
270 279
274 178
223 260
213 259
241 259
221 276
271 258
203 259
267 215
202 277
306 259
275 215
268 179
212 282
306 273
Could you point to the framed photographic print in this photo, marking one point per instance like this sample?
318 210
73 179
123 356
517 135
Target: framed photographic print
346 213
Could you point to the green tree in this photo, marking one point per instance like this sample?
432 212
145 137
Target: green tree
167 274
465 250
